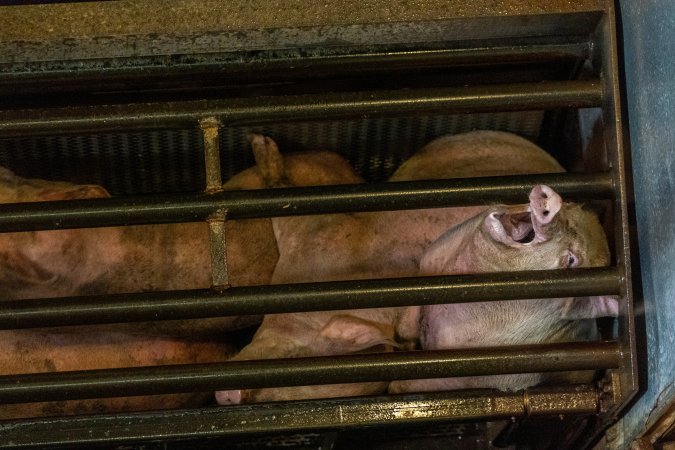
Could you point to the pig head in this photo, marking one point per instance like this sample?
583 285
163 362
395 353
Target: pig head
544 234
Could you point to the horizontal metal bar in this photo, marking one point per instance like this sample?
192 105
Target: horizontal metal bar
282 65
325 106
316 415
236 301
308 371
296 201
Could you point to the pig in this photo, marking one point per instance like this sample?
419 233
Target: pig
394 244
92 261
544 234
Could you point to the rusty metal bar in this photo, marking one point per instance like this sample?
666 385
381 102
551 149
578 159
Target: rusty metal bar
214 183
309 415
218 246
307 371
210 133
359 294
325 106
296 201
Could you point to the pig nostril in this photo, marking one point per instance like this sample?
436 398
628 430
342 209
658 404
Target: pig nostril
546 212
543 194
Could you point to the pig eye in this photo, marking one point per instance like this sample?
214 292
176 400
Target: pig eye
572 260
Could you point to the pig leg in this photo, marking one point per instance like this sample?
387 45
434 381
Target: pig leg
42 351
283 337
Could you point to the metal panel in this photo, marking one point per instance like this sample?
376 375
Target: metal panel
648 43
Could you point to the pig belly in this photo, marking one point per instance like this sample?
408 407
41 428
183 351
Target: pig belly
40 352
313 392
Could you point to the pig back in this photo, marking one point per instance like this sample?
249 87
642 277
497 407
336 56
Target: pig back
251 244
476 154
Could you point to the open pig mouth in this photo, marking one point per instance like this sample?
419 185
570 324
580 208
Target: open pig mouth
525 224
518 226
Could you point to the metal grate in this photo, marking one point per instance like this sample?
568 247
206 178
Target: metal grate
171 160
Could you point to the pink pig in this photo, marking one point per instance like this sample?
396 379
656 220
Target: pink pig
406 243
46 264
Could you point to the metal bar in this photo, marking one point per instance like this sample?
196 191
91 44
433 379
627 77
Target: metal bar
288 64
360 294
210 128
214 183
307 371
617 144
296 201
218 246
334 105
396 410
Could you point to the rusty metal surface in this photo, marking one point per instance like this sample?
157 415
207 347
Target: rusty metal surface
615 139
42 22
26 52
289 64
300 415
210 136
214 183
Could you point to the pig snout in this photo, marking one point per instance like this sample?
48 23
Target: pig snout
544 203
233 397
525 224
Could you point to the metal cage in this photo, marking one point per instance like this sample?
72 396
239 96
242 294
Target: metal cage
137 120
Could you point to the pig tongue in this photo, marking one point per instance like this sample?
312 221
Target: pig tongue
518 226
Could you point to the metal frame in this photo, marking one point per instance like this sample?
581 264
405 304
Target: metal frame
259 110
299 416
217 206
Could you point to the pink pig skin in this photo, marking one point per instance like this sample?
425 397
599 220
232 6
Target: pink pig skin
393 244
129 259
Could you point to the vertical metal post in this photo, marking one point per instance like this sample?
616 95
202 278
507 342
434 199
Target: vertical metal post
210 130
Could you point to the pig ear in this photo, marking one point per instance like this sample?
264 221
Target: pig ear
76 192
17 271
269 160
356 334
591 307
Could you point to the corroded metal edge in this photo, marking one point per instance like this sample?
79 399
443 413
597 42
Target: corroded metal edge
186 17
298 415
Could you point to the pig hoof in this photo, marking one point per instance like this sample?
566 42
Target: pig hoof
229 397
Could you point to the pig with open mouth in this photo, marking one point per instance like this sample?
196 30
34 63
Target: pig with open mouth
546 233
